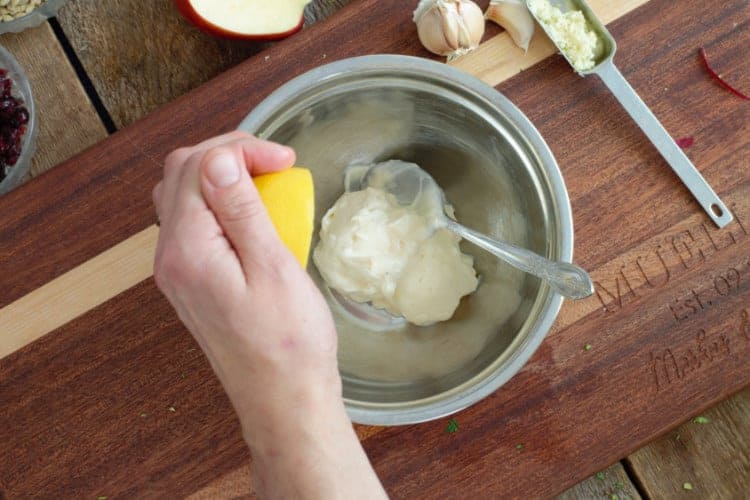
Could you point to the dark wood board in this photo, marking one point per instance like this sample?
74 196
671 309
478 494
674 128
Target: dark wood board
71 424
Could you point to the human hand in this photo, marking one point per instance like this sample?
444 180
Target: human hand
257 315
259 318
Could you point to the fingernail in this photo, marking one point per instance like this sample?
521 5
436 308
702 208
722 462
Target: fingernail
282 153
223 170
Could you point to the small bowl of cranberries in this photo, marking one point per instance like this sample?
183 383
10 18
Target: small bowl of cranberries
17 123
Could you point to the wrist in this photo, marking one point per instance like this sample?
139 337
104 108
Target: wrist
306 435
302 414
311 451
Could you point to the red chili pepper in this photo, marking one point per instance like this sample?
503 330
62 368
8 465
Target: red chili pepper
718 77
685 142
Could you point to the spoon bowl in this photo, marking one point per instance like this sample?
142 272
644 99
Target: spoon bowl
414 188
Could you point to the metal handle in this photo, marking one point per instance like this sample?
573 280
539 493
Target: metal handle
671 152
568 280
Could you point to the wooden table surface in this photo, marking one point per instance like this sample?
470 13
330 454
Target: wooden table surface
104 65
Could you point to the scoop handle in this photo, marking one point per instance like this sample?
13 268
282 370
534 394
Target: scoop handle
567 279
672 153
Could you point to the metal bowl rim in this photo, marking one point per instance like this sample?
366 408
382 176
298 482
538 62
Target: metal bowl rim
562 216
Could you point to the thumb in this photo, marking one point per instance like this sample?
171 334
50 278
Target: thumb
231 195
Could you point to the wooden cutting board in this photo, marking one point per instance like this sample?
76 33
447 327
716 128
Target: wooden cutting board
104 393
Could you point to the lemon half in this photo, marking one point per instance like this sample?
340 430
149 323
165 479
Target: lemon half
289 197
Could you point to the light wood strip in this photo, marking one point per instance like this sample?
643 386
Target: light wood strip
498 58
77 291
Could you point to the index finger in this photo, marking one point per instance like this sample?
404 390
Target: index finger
260 157
271 157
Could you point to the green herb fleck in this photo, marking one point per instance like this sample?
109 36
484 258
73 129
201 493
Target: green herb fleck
452 426
687 486
519 446
101 498
587 347
600 476
613 497
701 420
619 485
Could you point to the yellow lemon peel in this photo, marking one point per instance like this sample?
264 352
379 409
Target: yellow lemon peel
289 197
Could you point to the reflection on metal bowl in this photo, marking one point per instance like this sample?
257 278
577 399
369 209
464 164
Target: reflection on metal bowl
502 180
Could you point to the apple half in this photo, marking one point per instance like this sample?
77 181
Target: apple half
245 19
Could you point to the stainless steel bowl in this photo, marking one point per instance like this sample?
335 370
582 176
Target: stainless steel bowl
501 178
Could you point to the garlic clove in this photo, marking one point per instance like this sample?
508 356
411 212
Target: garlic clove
515 18
474 21
449 27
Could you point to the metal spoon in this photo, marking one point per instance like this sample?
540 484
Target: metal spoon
413 187
619 86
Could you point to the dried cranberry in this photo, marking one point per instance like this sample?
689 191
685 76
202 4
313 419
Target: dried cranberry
23 116
13 119
6 86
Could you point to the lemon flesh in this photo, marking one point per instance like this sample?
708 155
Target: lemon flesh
289 198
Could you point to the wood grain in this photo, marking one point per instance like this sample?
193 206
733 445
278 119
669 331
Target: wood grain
23 281
78 291
611 481
318 10
99 402
713 457
68 122
142 55
574 410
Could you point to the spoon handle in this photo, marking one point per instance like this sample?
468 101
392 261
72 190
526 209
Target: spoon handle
670 151
567 279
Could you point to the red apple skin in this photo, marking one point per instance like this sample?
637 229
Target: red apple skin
188 12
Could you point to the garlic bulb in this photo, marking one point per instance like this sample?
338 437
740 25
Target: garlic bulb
449 27
514 16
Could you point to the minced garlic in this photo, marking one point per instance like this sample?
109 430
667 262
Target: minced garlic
569 31
13 9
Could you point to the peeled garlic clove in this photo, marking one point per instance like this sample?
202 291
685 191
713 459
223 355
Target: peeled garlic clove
449 27
514 16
